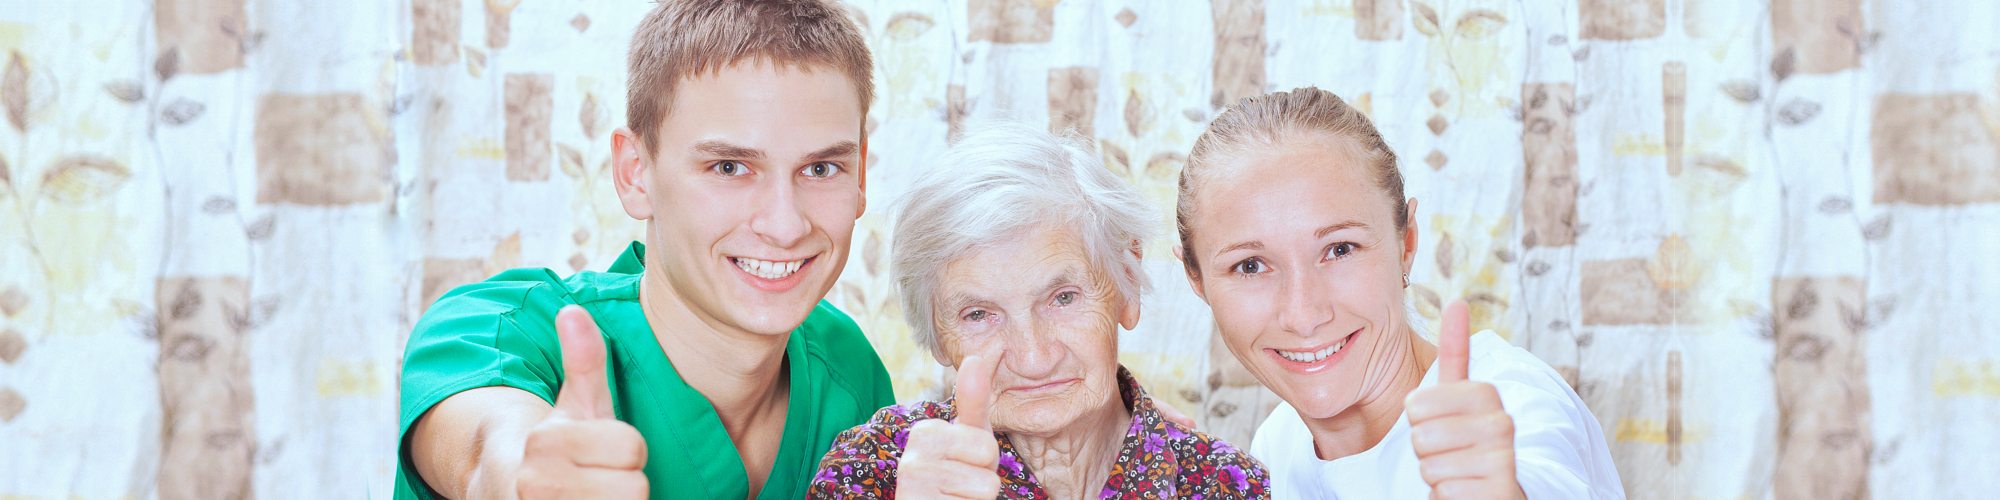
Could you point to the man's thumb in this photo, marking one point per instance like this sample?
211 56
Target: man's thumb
1454 343
584 395
974 390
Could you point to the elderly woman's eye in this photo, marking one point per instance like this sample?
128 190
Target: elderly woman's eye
1065 298
975 316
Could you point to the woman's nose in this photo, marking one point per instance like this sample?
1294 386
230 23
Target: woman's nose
1306 304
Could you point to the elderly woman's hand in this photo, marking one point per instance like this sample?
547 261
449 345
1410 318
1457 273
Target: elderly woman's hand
955 459
1464 439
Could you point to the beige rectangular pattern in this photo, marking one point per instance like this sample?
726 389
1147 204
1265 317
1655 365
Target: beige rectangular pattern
208 421
1011 21
434 31
1621 292
1673 99
1548 144
530 107
1622 19
1073 100
1378 19
499 25
1933 150
206 35
1818 35
1822 388
322 149
1238 66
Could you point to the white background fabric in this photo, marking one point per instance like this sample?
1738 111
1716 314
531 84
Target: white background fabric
1756 236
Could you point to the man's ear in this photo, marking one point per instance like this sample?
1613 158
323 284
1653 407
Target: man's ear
628 174
1410 238
1194 280
863 172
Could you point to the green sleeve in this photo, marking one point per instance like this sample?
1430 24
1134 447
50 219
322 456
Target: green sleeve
492 333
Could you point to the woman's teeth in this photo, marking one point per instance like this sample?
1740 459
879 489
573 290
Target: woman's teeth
767 269
1314 356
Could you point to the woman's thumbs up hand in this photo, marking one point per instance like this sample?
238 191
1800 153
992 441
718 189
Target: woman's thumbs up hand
1463 437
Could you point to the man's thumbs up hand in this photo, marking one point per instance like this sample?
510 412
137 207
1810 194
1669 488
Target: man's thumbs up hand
1463 437
581 450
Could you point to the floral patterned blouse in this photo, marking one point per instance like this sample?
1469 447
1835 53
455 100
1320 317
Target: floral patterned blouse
1159 460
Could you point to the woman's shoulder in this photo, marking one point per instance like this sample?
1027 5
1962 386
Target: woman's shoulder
1496 361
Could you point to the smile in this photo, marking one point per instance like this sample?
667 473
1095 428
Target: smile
767 269
1313 356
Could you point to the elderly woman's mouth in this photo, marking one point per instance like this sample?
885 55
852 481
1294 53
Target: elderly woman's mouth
1045 387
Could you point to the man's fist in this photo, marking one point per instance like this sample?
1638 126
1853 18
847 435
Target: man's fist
1463 438
582 450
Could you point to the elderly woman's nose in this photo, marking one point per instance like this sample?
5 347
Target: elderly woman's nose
1306 303
1032 350
779 219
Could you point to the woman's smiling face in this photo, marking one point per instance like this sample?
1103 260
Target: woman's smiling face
1301 260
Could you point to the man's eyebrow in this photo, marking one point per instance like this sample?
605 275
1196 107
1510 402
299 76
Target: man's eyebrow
1322 232
720 149
841 149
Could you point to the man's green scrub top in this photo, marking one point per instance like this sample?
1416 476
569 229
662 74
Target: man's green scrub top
502 332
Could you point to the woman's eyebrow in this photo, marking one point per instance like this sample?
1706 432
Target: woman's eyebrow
1247 245
1322 232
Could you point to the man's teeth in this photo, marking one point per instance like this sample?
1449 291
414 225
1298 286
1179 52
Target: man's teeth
767 269
1314 356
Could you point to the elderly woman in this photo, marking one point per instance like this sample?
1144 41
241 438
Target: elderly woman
1295 231
1018 258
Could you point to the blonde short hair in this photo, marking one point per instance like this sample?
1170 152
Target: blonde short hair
681 39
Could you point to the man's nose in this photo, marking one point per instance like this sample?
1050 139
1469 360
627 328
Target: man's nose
779 219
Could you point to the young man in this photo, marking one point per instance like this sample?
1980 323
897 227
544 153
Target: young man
704 363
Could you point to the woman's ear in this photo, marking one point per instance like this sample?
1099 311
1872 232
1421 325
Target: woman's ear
1410 237
628 174
1129 318
1194 279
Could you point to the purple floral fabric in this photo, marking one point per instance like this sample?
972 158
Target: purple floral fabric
1159 460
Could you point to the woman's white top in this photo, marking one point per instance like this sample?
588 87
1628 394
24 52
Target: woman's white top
1559 449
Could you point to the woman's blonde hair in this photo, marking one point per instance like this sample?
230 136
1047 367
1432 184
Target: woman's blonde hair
1269 121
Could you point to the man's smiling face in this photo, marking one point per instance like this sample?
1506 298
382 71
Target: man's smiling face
752 191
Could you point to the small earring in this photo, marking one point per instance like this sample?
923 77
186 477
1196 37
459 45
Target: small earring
1406 280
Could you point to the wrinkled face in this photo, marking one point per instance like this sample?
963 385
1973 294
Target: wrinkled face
1036 302
1302 263
754 189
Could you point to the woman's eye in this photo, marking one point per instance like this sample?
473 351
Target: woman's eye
1065 298
821 170
975 316
1251 266
1339 250
730 168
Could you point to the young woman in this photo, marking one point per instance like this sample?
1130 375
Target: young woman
1295 230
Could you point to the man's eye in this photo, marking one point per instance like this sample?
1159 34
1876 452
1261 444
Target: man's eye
730 168
975 316
1065 298
821 170
1250 266
1339 250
